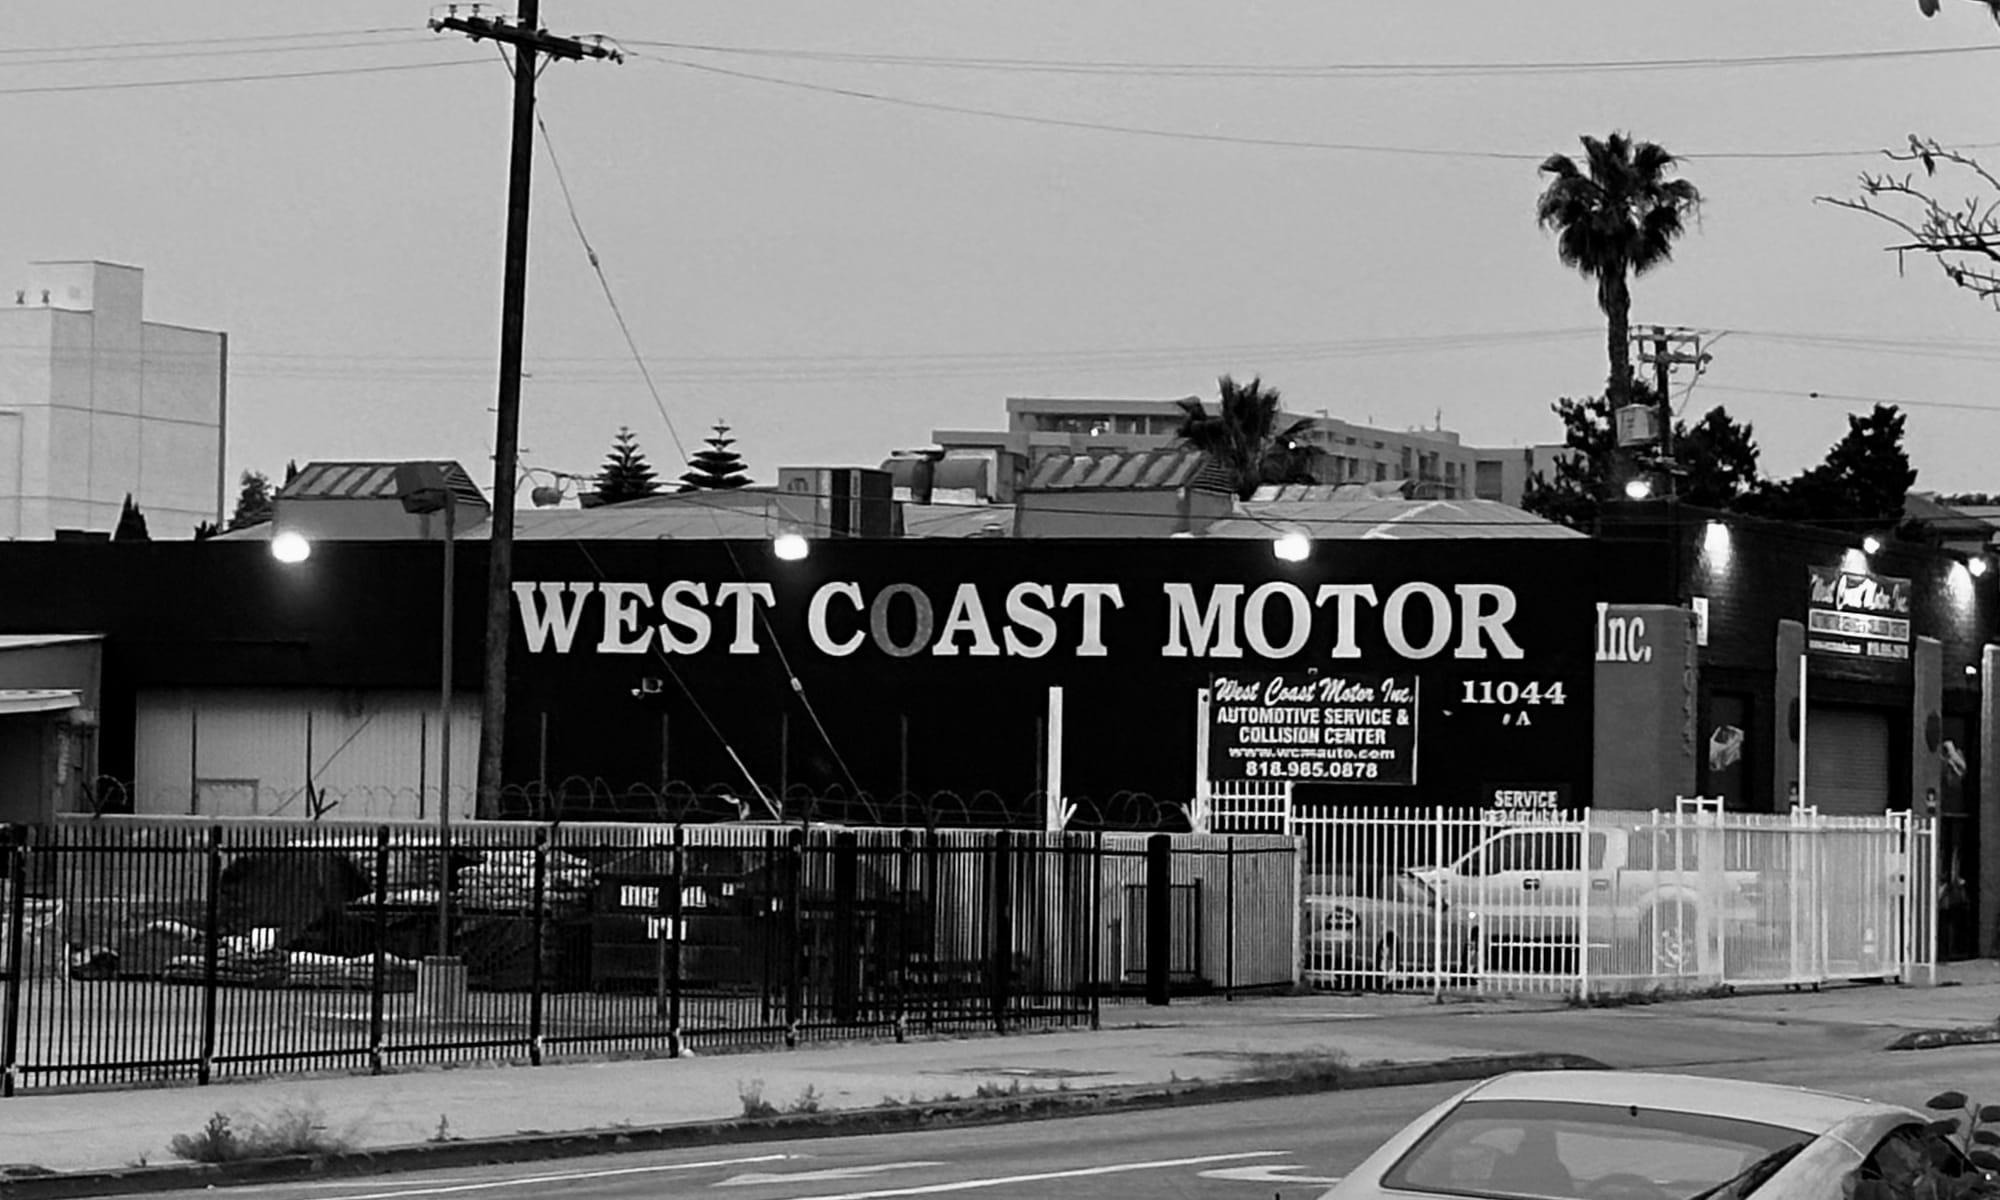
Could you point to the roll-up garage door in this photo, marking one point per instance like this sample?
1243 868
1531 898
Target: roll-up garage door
1847 761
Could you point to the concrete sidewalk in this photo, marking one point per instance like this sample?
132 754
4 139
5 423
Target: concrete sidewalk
1206 1039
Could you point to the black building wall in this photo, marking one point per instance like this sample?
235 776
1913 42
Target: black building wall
366 615
1762 580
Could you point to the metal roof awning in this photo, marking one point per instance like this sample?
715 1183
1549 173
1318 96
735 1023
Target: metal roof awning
15 702
31 641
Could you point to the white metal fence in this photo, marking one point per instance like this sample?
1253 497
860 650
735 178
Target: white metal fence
1599 902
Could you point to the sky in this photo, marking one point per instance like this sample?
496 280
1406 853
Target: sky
811 238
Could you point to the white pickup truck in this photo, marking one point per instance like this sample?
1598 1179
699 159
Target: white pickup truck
1641 893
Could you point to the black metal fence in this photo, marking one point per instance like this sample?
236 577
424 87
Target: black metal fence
141 952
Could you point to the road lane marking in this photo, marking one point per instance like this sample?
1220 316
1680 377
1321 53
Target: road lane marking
969 1185
490 1185
826 1174
1268 1173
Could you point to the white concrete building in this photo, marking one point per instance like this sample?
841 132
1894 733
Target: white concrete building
96 403
1437 464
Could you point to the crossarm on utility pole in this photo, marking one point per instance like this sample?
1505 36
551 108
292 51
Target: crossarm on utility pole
517 34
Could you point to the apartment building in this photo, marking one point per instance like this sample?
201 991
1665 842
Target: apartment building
1435 461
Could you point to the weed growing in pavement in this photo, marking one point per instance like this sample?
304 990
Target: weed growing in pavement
1653 995
807 1102
217 1142
443 1132
994 1091
1307 1066
751 1095
293 1129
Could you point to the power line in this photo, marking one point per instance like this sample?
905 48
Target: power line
659 402
1376 70
76 48
224 52
1188 135
1844 398
207 79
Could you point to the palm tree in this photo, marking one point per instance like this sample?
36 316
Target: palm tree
1243 440
1930 8
1617 217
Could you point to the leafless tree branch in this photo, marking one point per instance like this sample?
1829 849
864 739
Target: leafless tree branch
1963 236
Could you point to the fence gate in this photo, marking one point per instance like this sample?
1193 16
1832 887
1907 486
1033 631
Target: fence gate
1600 902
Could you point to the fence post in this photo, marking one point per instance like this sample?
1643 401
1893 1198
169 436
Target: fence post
1229 919
538 932
1096 918
795 982
378 974
1582 913
212 936
1438 903
844 969
677 925
933 928
1932 875
14 839
1002 931
1159 918
901 951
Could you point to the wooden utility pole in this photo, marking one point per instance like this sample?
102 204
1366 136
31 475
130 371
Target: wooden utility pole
1666 349
529 39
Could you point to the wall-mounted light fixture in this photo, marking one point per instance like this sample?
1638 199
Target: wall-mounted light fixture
1959 580
1715 543
790 546
290 547
1292 547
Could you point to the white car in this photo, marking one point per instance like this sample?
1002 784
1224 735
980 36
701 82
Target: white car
1628 1135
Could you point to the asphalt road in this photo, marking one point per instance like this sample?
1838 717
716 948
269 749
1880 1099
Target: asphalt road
1270 1150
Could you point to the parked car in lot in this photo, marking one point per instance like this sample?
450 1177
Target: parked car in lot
1643 887
1618 1135
1378 925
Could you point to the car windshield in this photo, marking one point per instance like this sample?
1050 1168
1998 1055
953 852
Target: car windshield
1571 1151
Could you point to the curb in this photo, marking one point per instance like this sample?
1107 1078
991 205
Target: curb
1937 1039
1028 1106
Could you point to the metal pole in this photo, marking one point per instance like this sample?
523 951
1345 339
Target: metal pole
1802 729
16 895
1052 797
444 725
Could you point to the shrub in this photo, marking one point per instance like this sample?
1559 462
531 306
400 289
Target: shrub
294 1129
751 1095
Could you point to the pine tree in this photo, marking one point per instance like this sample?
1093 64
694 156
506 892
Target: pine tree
131 524
716 468
626 475
254 504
